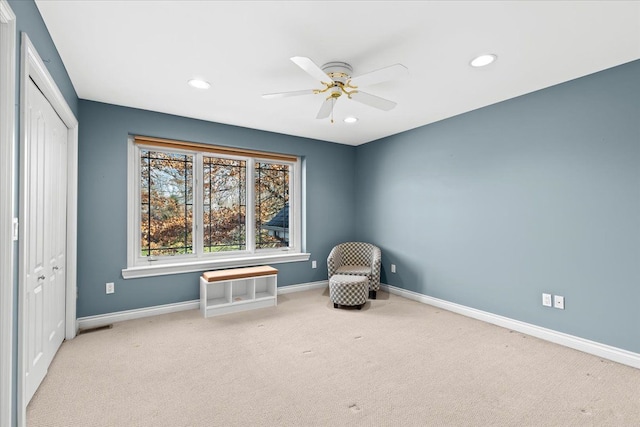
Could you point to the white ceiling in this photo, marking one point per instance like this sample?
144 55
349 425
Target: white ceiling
141 54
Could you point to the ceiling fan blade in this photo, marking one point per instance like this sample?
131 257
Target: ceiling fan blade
391 72
326 108
311 68
373 101
287 94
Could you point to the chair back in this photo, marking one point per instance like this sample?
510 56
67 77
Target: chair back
356 253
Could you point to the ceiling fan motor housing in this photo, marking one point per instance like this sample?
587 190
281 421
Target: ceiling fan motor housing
338 71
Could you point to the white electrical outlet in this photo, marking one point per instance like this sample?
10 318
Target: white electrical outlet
546 300
314 264
558 302
393 268
111 288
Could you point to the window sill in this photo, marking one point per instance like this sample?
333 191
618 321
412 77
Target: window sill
210 264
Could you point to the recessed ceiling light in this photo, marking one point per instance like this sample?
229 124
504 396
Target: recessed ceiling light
350 119
483 60
199 84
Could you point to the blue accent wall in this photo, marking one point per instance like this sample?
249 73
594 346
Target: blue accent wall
102 202
540 193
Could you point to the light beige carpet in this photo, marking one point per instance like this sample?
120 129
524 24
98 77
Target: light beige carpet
303 363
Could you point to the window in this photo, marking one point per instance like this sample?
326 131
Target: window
195 206
166 203
224 204
272 205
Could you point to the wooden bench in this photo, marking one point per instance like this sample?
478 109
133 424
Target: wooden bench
238 289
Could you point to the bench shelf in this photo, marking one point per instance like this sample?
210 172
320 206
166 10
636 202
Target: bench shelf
239 289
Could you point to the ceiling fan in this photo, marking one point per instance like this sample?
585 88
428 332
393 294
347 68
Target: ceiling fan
337 81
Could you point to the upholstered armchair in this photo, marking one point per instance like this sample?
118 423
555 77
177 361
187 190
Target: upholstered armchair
357 258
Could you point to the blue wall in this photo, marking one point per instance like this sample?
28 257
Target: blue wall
102 202
536 194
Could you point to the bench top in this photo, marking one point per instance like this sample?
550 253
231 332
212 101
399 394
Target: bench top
238 273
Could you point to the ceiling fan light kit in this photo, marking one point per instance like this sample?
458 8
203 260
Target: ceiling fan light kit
337 81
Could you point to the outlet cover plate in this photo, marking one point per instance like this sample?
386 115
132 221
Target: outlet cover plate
558 302
546 300
110 288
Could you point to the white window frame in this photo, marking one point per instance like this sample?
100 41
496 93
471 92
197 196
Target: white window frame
139 266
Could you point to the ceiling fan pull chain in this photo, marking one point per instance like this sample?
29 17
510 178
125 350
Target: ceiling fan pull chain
333 102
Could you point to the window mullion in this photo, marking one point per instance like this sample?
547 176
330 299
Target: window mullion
293 206
250 209
296 214
134 244
198 210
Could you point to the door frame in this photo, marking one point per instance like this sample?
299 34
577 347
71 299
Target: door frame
32 67
7 206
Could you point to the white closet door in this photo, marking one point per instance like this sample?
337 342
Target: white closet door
56 195
45 238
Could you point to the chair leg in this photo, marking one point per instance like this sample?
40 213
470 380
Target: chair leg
372 294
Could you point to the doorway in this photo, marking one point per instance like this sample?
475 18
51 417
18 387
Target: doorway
48 212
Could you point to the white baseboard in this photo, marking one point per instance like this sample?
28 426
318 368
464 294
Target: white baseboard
303 287
99 320
597 349
120 316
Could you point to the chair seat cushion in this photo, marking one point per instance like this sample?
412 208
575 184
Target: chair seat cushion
359 270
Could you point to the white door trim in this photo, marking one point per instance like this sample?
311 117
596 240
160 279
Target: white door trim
32 67
7 172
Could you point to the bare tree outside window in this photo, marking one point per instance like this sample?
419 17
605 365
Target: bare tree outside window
272 205
174 222
225 204
166 200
